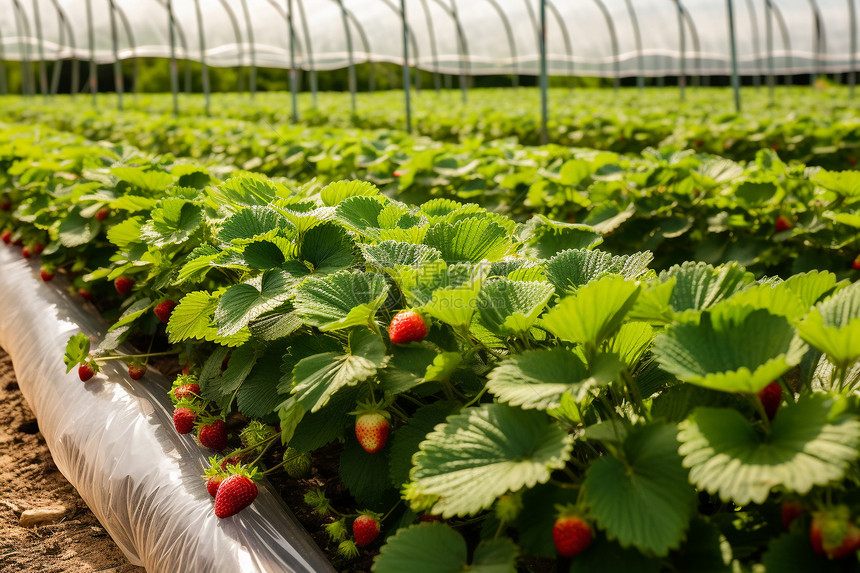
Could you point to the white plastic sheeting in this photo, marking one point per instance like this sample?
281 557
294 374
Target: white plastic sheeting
114 441
584 37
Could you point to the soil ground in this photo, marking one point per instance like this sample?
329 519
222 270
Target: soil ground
30 480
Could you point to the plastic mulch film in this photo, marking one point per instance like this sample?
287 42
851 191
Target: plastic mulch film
115 442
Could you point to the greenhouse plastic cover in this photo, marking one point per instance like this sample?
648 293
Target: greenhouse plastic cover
584 37
115 443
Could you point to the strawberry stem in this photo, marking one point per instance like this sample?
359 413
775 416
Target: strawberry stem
124 356
760 409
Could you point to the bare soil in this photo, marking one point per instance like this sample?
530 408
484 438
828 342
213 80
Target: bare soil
30 480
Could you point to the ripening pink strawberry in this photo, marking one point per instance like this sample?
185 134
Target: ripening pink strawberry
371 430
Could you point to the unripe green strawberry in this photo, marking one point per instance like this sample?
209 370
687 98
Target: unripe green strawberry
771 396
571 535
371 429
213 435
123 285
183 420
163 310
234 494
407 326
297 464
365 529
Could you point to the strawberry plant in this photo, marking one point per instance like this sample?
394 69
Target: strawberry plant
549 373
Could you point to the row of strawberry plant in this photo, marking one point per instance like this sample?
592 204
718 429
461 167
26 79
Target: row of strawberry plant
773 217
532 396
818 127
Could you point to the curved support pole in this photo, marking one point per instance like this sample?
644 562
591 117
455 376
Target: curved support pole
768 15
252 53
682 47
437 84
407 76
852 74
736 83
565 35
509 32
464 69
130 35
65 28
291 34
365 42
43 69
204 68
820 42
22 26
348 35
544 77
755 38
4 87
117 65
697 45
786 39
613 36
309 50
637 37
94 82
57 68
237 33
174 76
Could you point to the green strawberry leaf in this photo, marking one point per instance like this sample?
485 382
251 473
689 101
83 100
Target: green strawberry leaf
242 303
483 453
469 240
727 352
77 351
438 548
511 307
642 500
338 191
808 445
593 312
571 269
833 327
341 300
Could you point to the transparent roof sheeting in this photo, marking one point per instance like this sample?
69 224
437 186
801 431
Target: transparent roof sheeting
584 37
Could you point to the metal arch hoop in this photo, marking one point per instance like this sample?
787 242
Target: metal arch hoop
509 32
23 26
820 39
252 79
613 36
694 36
237 32
309 49
4 88
65 24
117 65
364 42
291 49
565 36
130 36
203 69
433 49
40 47
756 41
786 36
682 48
462 48
352 81
637 38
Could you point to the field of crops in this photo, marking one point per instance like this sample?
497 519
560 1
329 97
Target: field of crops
634 349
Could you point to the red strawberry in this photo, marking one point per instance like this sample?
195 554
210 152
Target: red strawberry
85 293
213 482
186 391
86 371
38 248
213 435
136 371
407 326
791 510
855 264
46 275
771 396
6 236
371 429
183 420
234 459
429 518
163 310
26 252
234 494
571 534
365 529
102 214
833 534
123 285
186 369
5 205
783 223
